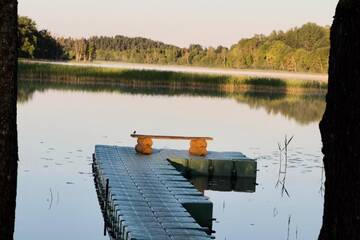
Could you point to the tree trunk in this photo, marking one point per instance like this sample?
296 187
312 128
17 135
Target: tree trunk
8 132
340 127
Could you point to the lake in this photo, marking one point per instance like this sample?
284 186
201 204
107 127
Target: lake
60 124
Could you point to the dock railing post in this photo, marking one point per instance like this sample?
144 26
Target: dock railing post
106 205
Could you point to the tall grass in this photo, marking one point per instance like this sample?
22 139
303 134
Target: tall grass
57 72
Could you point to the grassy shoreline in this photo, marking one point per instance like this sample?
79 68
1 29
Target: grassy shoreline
152 78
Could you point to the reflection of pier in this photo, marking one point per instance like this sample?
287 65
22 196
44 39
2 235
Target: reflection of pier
224 184
145 197
230 171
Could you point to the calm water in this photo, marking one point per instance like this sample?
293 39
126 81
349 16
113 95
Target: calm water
59 126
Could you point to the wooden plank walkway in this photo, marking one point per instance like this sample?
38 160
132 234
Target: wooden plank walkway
145 197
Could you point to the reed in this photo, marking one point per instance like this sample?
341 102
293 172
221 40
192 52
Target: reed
57 72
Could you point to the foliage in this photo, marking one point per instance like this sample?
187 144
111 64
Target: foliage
304 49
37 44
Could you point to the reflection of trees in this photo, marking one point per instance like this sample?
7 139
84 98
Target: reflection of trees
25 92
302 108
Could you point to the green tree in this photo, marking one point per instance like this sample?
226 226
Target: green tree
37 44
27 37
48 47
91 51
299 49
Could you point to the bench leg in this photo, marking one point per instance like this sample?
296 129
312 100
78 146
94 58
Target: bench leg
198 147
143 145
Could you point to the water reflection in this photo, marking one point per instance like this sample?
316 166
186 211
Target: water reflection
224 184
304 109
223 175
59 125
322 182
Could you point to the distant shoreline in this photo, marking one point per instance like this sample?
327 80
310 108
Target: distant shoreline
160 76
255 73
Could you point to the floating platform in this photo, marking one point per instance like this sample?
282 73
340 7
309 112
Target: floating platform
231 165
146 197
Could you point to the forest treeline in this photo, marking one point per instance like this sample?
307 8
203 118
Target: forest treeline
37 44
304 49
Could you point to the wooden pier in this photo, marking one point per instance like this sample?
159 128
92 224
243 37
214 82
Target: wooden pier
145 197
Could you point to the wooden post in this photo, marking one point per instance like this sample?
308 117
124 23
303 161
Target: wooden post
144 145
198 147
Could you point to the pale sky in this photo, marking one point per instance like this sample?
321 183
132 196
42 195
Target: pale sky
179 22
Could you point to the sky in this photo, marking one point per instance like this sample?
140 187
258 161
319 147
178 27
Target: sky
178 22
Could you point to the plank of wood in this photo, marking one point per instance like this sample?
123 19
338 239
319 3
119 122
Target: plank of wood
169 137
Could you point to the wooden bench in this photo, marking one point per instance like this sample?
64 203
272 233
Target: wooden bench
197 144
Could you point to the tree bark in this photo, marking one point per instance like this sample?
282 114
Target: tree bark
8 132
340 127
